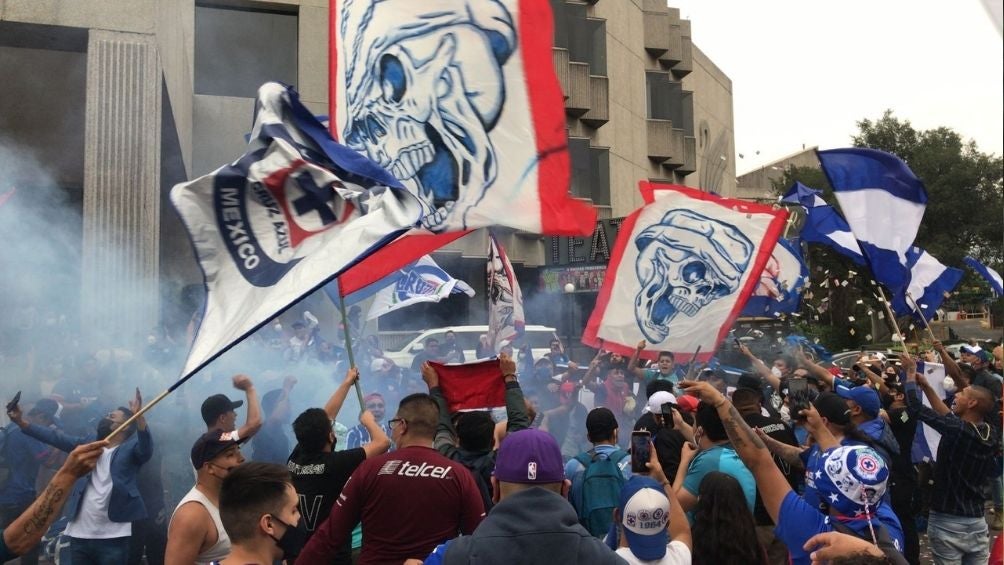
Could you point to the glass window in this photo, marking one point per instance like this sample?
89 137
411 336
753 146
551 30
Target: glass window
668 101
237 50
599 167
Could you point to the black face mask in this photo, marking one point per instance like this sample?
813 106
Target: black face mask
292 541
105 427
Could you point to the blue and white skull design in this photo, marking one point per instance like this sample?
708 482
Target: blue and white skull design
685 262
424 86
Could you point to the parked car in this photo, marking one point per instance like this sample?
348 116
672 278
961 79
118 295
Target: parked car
539 338
847 359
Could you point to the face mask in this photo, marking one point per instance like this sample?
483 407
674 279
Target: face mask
105 427
292 541
776 372
948 384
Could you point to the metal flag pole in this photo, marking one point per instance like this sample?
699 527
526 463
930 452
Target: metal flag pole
348 347
892 318
916 308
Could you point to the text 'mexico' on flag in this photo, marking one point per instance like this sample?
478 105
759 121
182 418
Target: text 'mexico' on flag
294 211
681 271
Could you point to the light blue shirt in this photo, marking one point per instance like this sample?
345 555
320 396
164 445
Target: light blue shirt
721 458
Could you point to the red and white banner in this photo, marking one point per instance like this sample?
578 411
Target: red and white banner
459 100
505 299
471 386
682 269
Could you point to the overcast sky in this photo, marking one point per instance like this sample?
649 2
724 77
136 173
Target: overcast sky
806 72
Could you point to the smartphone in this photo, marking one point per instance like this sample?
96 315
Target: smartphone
798 396
14 402
641 451
667 414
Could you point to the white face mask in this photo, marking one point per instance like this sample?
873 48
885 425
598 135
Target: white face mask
776 372
948 384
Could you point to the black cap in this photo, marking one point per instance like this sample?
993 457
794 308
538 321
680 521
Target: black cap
218 404
211 444
45 406
600 422
833 408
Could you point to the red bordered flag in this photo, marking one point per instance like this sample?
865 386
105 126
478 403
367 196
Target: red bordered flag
682 269
458 99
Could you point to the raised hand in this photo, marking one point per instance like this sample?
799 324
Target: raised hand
430 376
242 382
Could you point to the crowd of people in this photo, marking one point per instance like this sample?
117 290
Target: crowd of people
633 459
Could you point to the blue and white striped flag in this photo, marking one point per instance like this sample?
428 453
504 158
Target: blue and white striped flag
883 202
930 284
823 224
992 276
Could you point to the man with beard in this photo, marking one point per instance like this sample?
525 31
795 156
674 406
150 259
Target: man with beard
359 435
101 508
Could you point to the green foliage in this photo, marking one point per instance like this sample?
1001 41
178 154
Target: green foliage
964 217
965 188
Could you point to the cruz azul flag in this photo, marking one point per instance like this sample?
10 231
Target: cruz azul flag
422 281
930 283
883 202
282 220
823 224
781 282
471 386
681 271
991 276
505 300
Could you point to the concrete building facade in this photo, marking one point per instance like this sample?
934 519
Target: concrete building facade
135 96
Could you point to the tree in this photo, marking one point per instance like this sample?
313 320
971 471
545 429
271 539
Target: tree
965 188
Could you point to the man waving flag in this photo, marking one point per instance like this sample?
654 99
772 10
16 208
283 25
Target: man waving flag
294 211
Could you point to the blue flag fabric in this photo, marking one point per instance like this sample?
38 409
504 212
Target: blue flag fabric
781 283
930 283
992 276
823 224
795 340
883 202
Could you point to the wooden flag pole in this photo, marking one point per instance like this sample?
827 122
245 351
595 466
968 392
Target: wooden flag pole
140 412
348 348
916 308
892 318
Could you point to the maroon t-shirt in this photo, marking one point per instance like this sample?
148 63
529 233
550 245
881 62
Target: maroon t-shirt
409 501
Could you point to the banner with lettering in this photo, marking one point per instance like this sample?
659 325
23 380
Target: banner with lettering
294 211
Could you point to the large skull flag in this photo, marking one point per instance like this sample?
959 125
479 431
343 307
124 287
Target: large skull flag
682 269
458 99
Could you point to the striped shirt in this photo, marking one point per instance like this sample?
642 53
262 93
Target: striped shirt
965 459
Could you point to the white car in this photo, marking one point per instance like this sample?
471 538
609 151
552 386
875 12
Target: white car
539 338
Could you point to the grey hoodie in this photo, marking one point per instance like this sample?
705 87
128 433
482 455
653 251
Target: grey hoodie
535 526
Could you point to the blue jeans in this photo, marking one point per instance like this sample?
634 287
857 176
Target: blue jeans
112 551
958 540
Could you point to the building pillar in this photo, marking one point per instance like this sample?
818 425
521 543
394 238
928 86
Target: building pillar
121 219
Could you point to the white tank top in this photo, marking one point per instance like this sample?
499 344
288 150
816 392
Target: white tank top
221 548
